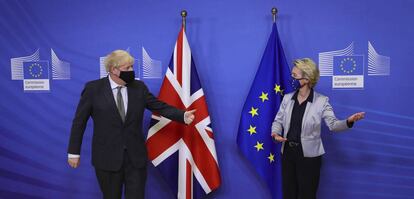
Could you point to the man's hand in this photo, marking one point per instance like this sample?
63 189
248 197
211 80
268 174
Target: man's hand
278 137
189 116
74 162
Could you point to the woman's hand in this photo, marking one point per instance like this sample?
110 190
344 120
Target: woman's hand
278 138
355 117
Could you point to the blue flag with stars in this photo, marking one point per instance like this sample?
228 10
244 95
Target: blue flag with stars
254 139
36 70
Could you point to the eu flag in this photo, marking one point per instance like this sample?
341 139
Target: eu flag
272 81
36 70
348 65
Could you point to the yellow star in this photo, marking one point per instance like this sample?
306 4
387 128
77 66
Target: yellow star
264 97
271 158
252 130
278 90
259 146
254 112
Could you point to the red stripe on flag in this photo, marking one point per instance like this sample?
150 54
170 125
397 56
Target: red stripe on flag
202 157
210 134
169 95
201 107
164 139
188 180
179 56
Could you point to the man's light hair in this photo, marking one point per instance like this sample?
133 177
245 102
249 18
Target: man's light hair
309 70
118 58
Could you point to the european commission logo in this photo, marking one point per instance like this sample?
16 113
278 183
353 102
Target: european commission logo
149 68
348 72
36 76
35 72
347 69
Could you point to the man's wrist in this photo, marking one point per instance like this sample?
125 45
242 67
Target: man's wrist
73 155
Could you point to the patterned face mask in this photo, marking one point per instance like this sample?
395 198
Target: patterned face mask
296 83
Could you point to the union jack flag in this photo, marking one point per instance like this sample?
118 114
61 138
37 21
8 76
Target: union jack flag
184 154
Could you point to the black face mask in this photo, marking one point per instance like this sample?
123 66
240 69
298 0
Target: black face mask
127 76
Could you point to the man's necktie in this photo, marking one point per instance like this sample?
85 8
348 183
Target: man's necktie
120 103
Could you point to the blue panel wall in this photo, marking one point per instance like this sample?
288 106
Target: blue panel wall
375 159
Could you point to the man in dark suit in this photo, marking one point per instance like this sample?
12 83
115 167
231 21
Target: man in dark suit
116 104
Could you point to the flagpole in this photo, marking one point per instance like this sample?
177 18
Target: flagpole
274 12
183 15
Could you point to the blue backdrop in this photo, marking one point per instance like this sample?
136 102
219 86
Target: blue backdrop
373 160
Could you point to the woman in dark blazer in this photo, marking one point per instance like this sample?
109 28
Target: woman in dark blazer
299 117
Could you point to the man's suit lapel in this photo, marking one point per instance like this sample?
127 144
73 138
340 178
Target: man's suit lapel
132 92
109 96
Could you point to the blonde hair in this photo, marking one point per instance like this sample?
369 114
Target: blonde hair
118 58
309 70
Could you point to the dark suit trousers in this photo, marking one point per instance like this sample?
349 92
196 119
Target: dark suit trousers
300 174
129 178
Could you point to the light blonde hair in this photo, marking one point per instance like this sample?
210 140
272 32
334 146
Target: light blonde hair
118 58
309 70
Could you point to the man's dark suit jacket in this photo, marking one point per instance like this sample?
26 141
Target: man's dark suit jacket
111 136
